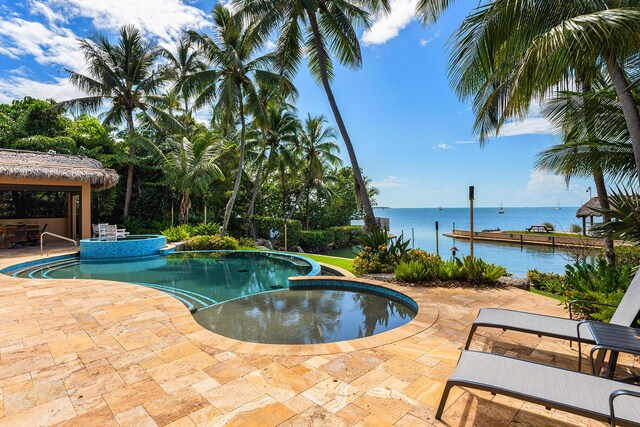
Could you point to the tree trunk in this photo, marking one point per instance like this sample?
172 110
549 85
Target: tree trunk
369 217
628 104
132 156
298 198
236 185
254 195
601 186
185 203
603 198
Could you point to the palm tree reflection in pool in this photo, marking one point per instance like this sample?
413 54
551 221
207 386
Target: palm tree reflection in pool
304 316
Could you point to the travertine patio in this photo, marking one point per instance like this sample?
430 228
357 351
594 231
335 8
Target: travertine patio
94 353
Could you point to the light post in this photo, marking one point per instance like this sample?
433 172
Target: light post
589 191
471 197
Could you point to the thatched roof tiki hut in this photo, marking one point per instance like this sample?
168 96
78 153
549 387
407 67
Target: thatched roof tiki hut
47 188
588 210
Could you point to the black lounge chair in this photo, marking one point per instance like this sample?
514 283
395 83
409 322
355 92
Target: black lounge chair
570 391
626 314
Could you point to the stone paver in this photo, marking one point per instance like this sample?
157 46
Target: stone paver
106 353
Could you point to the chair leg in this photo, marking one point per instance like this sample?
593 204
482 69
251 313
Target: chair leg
443 400
470 337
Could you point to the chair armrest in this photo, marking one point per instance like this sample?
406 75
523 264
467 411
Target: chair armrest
582 301
612 398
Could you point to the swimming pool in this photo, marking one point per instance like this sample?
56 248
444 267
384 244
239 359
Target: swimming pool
198 279
312 314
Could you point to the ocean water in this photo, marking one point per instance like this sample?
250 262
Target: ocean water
518 260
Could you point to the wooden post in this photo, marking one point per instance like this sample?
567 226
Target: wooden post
172 214
285 235
584 226
205 213
437 246
471 197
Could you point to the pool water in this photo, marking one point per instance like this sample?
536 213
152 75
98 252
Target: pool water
305 316
199 280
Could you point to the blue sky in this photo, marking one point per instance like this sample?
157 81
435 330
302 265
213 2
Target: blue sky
413 137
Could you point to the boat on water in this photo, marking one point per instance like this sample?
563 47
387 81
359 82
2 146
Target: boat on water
439 208
501 209
558 205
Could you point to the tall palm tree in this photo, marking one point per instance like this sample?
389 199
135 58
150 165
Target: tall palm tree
318 154
235 70
277 136
182 62
507 54
123 74
321 30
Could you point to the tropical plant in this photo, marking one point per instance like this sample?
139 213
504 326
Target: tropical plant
508 54
208 243
208 229
415 272
321 31
316 156
177 233
233 77
123 74
625 215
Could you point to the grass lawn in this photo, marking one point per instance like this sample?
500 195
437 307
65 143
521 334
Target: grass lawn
547 294
542 233
345 263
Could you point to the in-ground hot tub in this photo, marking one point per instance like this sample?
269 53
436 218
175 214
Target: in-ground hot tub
126 247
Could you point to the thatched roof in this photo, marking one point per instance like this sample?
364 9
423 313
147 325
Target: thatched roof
587 210
37 165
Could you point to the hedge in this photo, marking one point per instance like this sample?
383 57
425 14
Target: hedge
263 225
316 240
347 235
203 243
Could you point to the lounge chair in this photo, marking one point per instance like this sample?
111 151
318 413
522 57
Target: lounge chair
557 327
582 394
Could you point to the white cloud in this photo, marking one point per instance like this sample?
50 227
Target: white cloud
388 182
528 126
165 19
386 27
39 8
469 141
17 87
424 42
48 45
444 146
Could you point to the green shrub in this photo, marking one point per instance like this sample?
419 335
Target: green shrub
373 260
575 228
548 282
452 269
263 225
177 233
598 282
316 240
208 229
247 242
203 243
347 235
478 271
628 256
549 226
416 271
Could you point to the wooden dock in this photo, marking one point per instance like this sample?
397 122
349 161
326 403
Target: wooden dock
525 238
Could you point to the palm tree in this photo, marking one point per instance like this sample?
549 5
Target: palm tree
578 116
232 79
181 63
319 29
123 74
509 53
317 156
191 165
276 136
